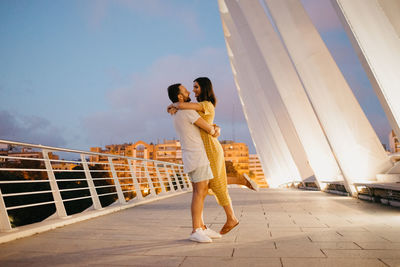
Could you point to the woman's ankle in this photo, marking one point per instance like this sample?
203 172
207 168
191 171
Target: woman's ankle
232 219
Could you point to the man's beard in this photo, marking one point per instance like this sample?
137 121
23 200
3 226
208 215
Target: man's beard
188 99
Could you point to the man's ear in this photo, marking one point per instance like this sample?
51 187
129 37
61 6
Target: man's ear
180 97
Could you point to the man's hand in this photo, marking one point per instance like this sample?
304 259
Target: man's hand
171 109
217 131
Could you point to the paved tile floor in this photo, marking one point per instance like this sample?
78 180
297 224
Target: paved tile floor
277 228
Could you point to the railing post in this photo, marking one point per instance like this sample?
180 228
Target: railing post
187 178
185 182
171 185
176 178
54 187
182 177
135 181
5 224
149 180
190 183
160 179
121 197
92 188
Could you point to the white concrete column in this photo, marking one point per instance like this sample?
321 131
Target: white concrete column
266 136
272 51
269 160
357 148
392 11
260 117
250 55
269 156
373 27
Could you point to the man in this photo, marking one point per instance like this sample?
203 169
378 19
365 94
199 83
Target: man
195 161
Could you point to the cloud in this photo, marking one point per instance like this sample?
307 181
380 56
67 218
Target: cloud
138 109
29 129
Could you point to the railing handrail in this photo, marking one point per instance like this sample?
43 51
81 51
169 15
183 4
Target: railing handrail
394 155
133 180
80 151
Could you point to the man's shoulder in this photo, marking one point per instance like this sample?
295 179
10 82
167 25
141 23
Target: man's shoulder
186 113
186 116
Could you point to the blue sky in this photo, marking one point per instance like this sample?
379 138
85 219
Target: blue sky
90 73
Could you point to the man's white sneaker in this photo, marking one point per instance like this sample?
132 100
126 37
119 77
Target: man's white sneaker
211 233
200 236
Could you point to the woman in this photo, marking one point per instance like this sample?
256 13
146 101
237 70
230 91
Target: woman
207 101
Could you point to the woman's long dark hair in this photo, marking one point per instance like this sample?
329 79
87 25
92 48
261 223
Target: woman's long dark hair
206 90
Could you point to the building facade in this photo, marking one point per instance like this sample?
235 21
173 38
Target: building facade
169 151
394 143
256 171
238 154
25 153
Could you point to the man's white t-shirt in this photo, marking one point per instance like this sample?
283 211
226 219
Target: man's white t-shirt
193 152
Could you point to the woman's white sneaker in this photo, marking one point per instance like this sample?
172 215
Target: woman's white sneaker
211 233
200 236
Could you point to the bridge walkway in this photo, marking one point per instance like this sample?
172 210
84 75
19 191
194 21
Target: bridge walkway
278 227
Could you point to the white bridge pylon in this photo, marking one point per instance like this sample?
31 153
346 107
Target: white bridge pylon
374 30
276 114
274 153
292 87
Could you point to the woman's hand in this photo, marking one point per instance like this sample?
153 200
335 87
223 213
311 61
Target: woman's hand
172 109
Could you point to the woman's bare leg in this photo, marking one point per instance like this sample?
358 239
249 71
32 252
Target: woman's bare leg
231 220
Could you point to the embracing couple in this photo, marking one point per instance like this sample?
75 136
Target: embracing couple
202 154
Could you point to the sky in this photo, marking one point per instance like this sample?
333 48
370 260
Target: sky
79 74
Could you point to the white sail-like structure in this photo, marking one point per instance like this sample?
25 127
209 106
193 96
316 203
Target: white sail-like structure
271 50
297 102
245 49
356 146
374 30
275 154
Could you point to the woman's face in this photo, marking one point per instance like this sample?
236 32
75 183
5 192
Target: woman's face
196 89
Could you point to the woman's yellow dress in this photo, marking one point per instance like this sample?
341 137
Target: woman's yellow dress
215 155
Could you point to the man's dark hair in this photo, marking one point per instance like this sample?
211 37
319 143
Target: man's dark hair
173 92
206 90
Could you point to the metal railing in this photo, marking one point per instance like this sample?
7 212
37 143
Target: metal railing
33 180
